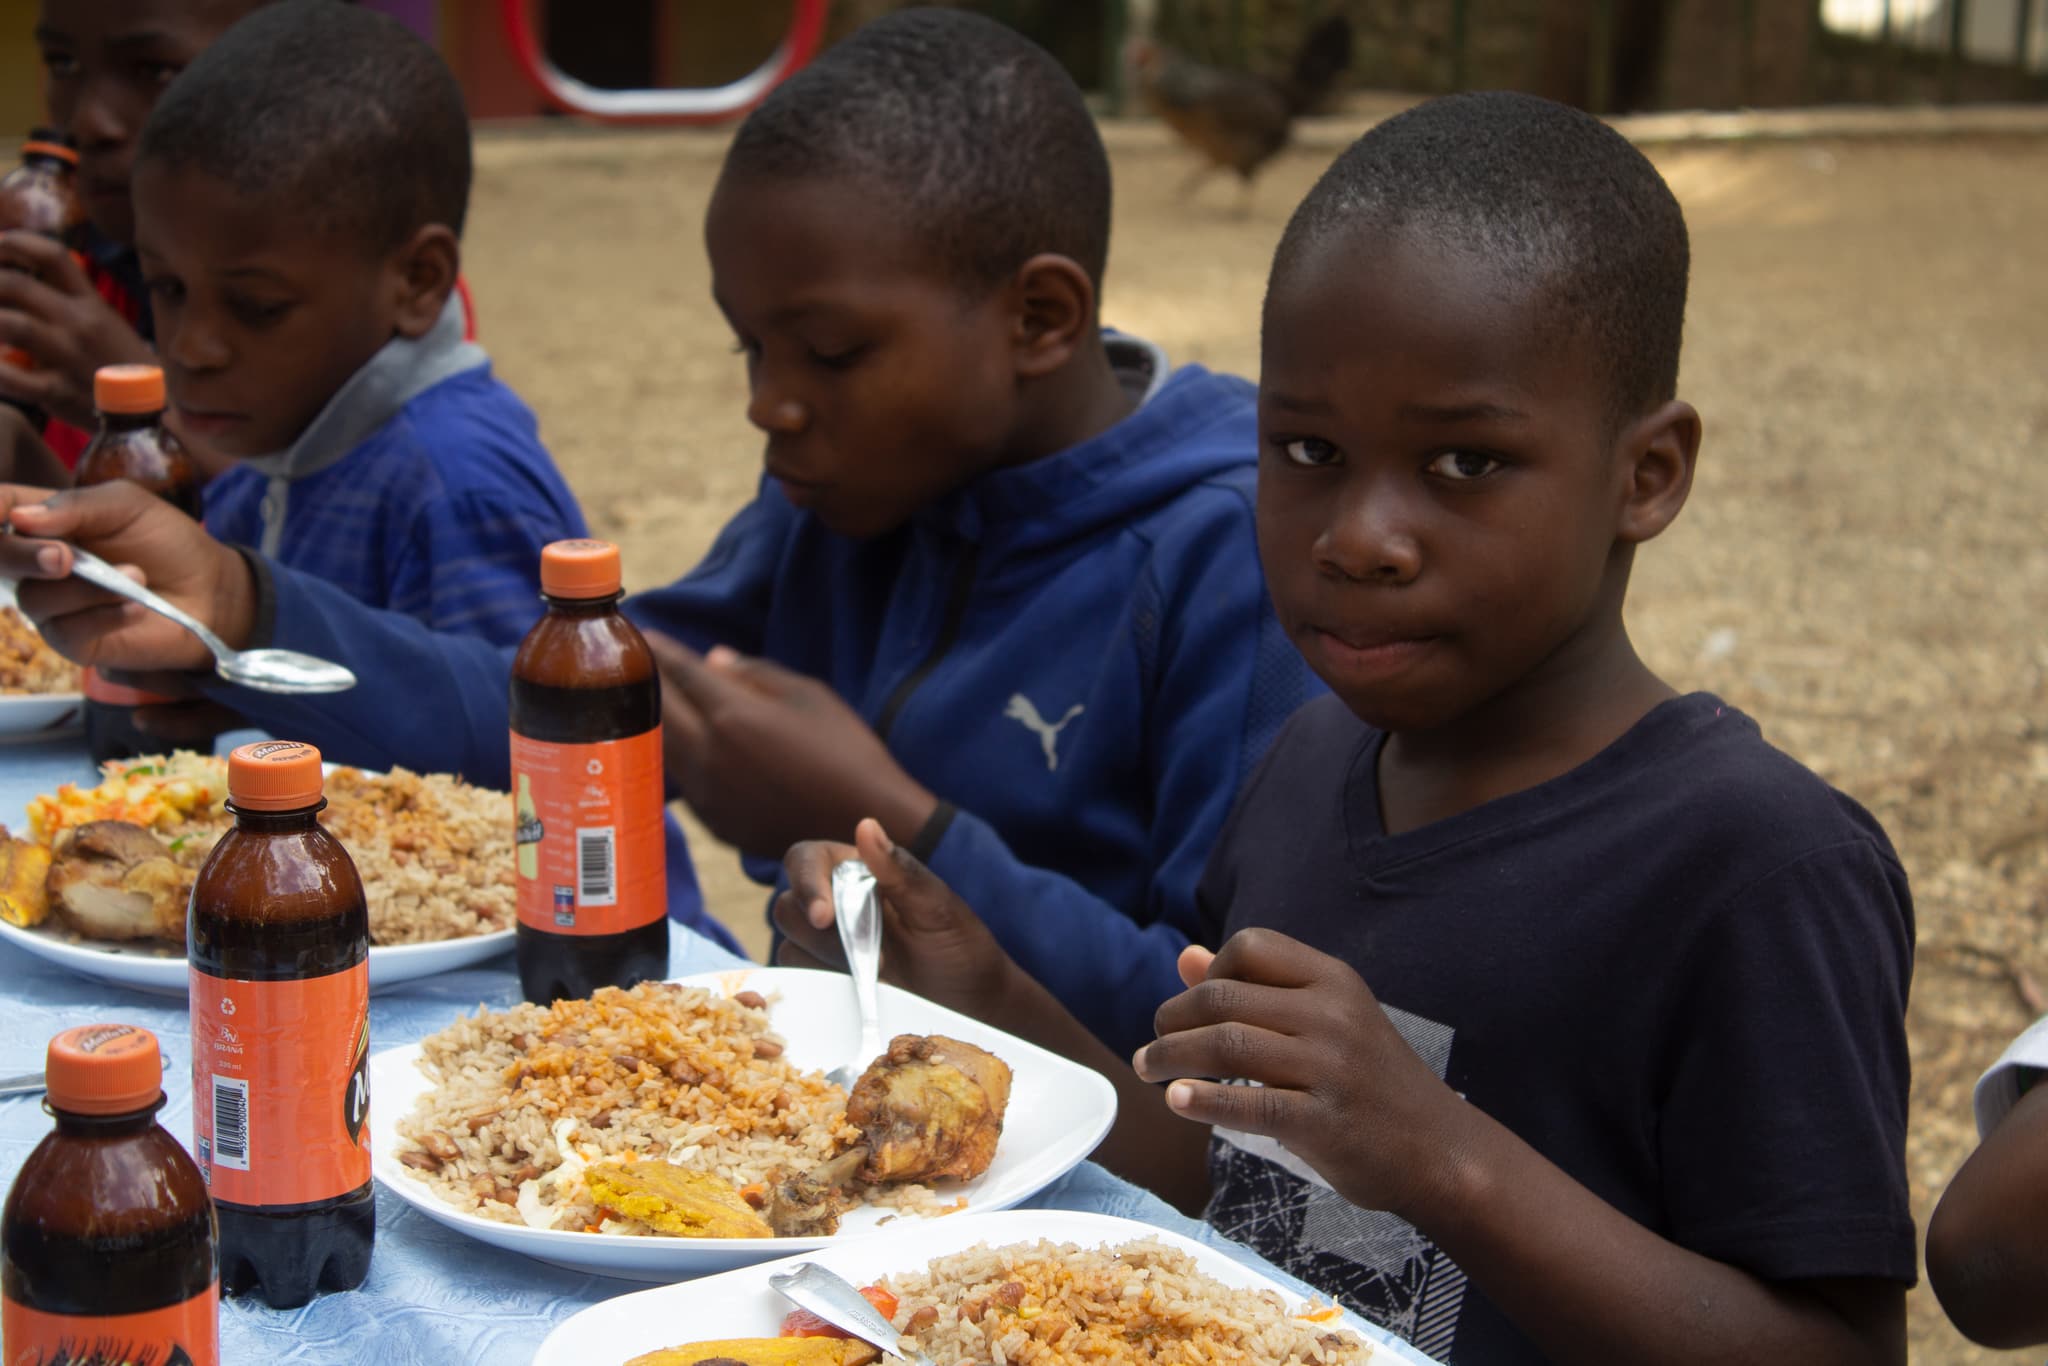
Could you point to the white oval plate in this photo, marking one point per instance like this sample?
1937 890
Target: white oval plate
1058 1112
740 1304
164 974
41 714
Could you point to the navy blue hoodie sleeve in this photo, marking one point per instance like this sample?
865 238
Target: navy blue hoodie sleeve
726 599
1226 679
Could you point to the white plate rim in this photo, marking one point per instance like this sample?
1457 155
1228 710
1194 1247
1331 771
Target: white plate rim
562 1247
166 974
661 1316
40 715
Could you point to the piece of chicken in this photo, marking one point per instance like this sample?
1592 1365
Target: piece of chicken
929 1109
1237 120
115 880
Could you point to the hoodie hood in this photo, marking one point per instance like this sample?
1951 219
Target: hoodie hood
401 370
1189 425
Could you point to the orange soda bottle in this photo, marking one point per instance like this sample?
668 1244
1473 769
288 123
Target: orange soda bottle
108 1237
279 943
587 786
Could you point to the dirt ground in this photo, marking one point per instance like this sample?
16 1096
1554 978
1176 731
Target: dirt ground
1861 567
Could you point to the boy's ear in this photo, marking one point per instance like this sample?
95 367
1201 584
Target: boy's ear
426 266
1054 313
1658 451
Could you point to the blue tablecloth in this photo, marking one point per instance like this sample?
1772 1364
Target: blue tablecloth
433 1296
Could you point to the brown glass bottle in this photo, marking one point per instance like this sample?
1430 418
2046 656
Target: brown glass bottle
279 943
587 786
41 196
108 1235
131 444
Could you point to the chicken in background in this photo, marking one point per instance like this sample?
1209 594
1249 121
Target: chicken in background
1237 120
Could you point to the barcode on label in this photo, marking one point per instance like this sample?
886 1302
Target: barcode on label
596 867
231 1123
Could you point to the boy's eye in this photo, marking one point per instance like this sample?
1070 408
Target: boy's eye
840 358
62 66
256 312
164 290
1463 465
742 347
158 73
1311 451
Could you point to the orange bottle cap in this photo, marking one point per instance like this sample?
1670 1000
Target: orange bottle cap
103 1069
37 147
579 569
274 775
128 389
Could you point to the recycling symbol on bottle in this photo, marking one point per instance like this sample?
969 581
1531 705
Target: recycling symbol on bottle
227 1005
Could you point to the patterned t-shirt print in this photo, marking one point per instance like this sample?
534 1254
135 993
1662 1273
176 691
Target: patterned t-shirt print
1373 1261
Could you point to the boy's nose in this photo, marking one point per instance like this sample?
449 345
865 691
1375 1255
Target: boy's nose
1368 540
99 118
775 414
194 349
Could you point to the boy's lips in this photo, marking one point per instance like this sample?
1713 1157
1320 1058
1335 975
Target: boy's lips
201 422
1365 656
800 492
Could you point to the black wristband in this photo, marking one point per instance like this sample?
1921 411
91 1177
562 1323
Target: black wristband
934 829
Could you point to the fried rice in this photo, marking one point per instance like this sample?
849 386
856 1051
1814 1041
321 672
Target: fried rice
525 1099
435 854
27 663
1061 1304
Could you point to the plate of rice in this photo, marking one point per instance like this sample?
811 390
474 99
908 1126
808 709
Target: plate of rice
493 1125
38 687
434 852
1048 1287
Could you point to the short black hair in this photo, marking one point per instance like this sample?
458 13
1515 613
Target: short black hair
339 113
1544 192
975 134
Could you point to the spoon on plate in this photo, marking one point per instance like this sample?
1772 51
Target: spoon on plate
266 670
857 911
833 1299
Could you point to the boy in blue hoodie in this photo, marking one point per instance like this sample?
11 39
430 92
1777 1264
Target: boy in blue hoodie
300 192
999 586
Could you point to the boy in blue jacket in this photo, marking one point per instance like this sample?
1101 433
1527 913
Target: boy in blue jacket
300 192
1554 1016
999 586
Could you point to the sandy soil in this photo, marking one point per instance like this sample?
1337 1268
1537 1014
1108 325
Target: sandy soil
1861 566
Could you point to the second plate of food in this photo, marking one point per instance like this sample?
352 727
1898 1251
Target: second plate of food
100 881
686 1128
1050 1286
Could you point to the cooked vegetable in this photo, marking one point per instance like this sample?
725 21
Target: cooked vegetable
684 1203
764 1352
802 1323
24 900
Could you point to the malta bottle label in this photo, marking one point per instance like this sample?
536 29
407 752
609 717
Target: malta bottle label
185 1334
587 828
281 1086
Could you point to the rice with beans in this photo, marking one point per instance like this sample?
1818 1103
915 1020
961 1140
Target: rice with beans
1060 1304
525 1099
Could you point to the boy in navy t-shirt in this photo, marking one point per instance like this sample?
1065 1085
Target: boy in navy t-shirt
1629 1080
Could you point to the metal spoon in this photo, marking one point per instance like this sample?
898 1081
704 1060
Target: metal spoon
810 1286
858 913
27 1084
280 671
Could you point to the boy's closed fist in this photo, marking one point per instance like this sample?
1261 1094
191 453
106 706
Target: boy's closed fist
50 309
768 758
1332 1080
